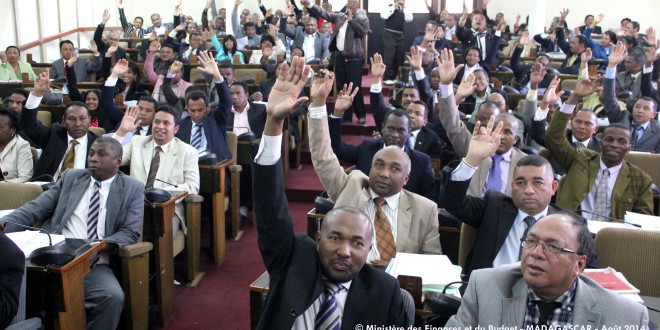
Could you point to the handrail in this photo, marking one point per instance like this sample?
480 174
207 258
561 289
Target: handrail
62 34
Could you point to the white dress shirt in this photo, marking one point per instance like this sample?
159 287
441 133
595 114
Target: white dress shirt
241 122
509 251
308 47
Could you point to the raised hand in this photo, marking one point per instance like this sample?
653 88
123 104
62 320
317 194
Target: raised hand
651 37
598 19
585 57
377 68
120 68
321 86
415 58
551 96
208 65
106 16
305 3
72 61
3 56
180 27
153 36
486 3
523 40
345 99
651 55
537 75
502 26
431 33
283 98
289 10
175 67
619 52
154 46
237 3
111 50
586 87
563 13
272 30
467 87
41 84
208 5
484 142
518 18
446 66
93 47
130 121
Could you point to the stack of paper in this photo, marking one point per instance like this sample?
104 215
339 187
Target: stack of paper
648 222
29 241
436 271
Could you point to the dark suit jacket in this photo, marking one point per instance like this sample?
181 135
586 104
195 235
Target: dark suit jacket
421 181
109 115
298 35
522 71
52 140
295 270
467 106
256 118
492 215
12 268
467 38
565 46
597 30
428 143
215 125
103 46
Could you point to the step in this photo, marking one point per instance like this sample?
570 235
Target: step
303 185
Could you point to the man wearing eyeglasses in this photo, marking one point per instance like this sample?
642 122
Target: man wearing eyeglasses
547 289
500 220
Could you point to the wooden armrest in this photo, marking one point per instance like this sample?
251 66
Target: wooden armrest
235 168
227 163
194 199
129 251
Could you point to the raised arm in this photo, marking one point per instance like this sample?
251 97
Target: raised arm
122 15
149 62
109 115
72 80
27 121
611 106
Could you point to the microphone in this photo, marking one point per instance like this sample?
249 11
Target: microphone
47 255
167 183
610 218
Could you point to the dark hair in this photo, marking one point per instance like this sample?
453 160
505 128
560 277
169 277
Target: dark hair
115 146
536 161
489 103
249 24
612 36
625 19
141 19
426 108
13 116
468 50
66 42
76 104
432 23
94 91
638 57
630 40
242 84
292 48
226 64
583 40
652 100
233 49
135 68
10 47
397 113
267 37
616 125
149 99
585 240
635 25
169 109
586 17
21 91
196 95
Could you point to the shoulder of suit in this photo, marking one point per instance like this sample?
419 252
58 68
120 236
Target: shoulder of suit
606 297
418 200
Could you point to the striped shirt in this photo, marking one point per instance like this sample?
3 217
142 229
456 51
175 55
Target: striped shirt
559 317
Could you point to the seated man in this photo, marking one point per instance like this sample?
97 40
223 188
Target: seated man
356 293
82 66
179 86
547 288
161 62
572 49
422 138
187 48
522 72
603 47
631 79
64 146
408 221
308 39
98 204
602 185
248 39
110 116
161 160
645 132
113 40
158 26
588 22
468 103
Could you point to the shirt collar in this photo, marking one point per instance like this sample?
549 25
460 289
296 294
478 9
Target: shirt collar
507 155
247 107
565 299
80 140
613 170
392 201
585 142
165 147
521 214
105 184
415 133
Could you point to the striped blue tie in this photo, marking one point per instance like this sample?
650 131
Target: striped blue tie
329 315
93 215
197 137
494 181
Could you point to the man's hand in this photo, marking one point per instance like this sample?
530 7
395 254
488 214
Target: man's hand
120 68
536 76
484 142
415 58
345 100
208 5
153 36
72 61
349 15
180 27
325 62
517 18
377 68
551 96
237 3
486 3
321 87
289 10
178 9
619 52
563 13
41 85
446 67
305 3
651 55
467 87
93 47
523 40
106 16
175 67
283 98
597 20
502 26
111 50
431 33
154 46
585 57
257 96
272 31
3 56
130 121
586 87
208 65
651 37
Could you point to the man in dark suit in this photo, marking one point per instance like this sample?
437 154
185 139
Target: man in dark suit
422 138
630 80
572 49
113 40
645 131
82 66
12 269
300 269
522 71
478 36
500 220
64 146
110 116
588 21
68 209
206 129
315 53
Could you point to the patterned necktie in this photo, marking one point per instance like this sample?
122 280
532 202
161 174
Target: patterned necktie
600 206
69 159
529 221
93 214
329 315
153 169
197 137
384 237
635 135
494 181
578 145
545 310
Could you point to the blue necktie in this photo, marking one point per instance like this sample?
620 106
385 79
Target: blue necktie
329 315
495 174
197 137
637 132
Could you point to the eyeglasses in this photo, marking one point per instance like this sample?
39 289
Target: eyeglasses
532 243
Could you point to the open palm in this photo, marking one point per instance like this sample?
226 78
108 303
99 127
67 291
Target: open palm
283 98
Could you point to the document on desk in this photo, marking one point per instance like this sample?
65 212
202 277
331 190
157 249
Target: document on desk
30 240
595 226
645 221
435 270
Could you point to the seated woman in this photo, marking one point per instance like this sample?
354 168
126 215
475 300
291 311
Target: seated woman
15 153
12 68
129 85
227 49
269 50
91 97
472 60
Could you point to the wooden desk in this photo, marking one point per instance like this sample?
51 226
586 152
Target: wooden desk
157 229
59 291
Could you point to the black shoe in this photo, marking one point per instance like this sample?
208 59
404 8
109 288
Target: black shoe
362 121
241 221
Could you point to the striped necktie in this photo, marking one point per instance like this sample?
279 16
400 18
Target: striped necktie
384 237
197 137
153 169
529 221
93 214
494 181
329 315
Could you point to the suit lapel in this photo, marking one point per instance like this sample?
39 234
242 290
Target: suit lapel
404 220
168 160
147 154
622 181
514 313
113 204
583 313
506 215
356 303
648 134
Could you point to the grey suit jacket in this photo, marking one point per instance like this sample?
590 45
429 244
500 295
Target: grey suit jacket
417 218
298 35
625 83
123 219
177 166
460 137
498 297
82 67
